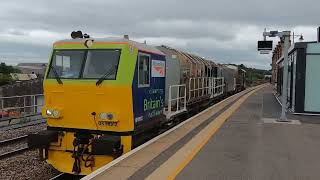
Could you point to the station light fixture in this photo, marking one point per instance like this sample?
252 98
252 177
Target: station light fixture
301 38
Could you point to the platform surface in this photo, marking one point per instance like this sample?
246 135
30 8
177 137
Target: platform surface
246 147
236 139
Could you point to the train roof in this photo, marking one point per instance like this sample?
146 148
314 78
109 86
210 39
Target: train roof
140 46
232 66
190 57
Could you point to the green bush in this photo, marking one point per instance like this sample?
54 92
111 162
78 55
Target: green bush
5 71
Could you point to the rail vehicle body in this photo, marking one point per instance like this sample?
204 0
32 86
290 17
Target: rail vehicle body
102 97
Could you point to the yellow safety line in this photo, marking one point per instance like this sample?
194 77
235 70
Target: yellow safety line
218 123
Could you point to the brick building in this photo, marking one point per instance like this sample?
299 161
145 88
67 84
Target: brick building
276 54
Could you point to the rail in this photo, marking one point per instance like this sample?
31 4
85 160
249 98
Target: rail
12 140
13 151
177 104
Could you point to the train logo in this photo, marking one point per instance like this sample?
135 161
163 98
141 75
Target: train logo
158 68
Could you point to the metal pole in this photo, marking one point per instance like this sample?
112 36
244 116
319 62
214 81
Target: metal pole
292 37
169 102
34 105
178 97
285 37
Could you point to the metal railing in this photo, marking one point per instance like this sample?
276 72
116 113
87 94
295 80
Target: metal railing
14 107
198 87
218 86
177 104
205 86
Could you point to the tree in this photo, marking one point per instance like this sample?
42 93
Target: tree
5 71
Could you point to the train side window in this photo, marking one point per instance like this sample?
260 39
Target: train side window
143 70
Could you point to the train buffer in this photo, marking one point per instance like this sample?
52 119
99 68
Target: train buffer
238 138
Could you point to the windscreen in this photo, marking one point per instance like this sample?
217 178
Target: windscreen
84 64
67 64
100 62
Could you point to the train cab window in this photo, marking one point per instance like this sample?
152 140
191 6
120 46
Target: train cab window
84 64
143 70
63 62
101 63
66 64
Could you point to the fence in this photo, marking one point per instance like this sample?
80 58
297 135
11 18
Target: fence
14 107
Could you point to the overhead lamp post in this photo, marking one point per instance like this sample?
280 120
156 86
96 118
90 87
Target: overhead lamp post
285 37
300 37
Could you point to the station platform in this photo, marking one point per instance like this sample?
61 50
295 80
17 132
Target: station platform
238 138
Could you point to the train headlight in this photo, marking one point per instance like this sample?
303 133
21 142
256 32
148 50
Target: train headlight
88 43
109 116
106 116
56 114
103 116
53 113
49 112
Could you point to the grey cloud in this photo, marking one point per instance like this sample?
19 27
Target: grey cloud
225 30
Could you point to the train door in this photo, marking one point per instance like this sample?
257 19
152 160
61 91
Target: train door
148 90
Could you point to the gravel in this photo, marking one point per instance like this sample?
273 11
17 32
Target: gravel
8 134
26 166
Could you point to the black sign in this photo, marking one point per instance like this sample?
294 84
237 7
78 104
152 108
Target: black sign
318 38
264 45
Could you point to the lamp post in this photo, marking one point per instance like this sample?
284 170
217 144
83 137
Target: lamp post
300 37
285 37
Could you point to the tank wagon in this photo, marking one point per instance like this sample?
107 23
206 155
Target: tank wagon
102 96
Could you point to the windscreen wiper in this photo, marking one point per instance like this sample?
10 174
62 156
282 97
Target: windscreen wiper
56 75
107 74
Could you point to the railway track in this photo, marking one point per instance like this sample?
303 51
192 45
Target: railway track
13 140
15 150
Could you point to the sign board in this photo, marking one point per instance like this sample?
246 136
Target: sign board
264 45
318 37
158 68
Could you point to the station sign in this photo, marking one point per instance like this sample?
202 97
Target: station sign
265 45
318 35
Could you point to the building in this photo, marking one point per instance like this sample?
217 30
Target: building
32 68
303 77
276 54
23 77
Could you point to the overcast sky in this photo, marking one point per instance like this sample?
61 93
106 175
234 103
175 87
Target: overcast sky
225 31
